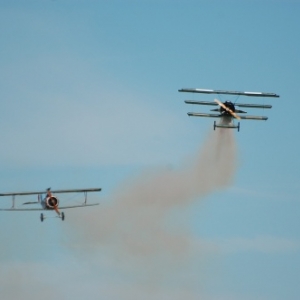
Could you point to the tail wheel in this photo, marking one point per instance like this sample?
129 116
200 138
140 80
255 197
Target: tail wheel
42 217
62 216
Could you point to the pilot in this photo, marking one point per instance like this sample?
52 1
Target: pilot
49 194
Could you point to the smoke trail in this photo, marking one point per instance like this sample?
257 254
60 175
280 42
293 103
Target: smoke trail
135 221
137 252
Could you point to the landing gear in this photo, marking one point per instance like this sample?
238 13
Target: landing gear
227 125
62 216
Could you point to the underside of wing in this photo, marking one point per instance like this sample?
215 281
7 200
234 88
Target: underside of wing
76 190
40 208
259 118
21 209
191 114
224 92
76 206
201 102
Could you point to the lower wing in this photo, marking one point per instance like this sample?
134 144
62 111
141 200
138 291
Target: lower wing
60 207
262 118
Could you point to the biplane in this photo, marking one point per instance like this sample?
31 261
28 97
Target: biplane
227 111
48 201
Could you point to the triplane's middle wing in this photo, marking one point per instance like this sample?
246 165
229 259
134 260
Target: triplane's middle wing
263 106
210 103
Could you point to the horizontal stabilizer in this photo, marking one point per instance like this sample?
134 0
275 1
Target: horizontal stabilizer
224 92
190 114
239 111
236 111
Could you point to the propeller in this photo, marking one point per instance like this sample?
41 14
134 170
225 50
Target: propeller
228 109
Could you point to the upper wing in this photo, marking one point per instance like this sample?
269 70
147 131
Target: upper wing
191 114
53 191
76 190
206 91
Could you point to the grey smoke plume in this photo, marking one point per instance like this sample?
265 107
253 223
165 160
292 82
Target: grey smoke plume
139 251
136 221
141 236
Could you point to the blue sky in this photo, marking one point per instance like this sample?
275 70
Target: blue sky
89 98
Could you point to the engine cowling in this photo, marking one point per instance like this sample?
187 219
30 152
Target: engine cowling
229 105
51 202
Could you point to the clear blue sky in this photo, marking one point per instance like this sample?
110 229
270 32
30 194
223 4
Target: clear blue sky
89 98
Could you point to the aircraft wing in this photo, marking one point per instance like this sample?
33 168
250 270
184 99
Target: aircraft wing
40 208
253 105
224 92
78 205
76 191
52 191
262 118
201 102
191 114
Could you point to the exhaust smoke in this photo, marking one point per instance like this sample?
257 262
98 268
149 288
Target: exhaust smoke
136 222
138 245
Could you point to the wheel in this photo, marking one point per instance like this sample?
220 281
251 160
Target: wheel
42 217
214 125
238 126
62 216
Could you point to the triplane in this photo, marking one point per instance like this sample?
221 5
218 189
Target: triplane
48 201
227 111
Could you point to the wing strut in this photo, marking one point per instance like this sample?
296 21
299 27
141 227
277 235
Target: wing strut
85 197
13 201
